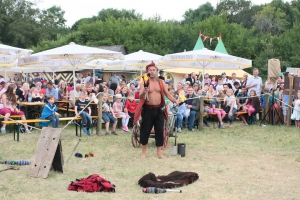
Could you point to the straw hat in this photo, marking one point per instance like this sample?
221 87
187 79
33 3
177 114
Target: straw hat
118 96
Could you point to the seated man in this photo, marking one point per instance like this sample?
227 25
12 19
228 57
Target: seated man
193 103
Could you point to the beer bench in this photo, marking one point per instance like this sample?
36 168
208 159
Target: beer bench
215 119
17 123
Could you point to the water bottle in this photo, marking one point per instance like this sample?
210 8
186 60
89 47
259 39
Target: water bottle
29 98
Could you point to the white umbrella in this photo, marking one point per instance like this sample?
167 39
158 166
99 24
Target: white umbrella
9 56
205 59
132 62
70 56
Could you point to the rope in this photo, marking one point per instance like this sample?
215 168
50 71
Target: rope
80 112
21 123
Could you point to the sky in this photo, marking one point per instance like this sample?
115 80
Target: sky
167 9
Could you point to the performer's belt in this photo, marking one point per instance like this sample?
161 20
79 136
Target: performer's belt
152 106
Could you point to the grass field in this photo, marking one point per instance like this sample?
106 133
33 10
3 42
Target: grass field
251 162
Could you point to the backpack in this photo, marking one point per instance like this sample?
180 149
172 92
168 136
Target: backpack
92 183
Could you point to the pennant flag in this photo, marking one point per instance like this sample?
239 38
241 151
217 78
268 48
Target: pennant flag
211 39
205 37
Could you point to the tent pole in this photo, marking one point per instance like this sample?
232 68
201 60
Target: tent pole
74 82
94 75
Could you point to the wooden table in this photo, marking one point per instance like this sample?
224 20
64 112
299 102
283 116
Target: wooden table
64 103
31 104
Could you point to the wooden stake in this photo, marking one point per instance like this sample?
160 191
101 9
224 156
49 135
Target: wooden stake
200 127
99 124
267 107
289 112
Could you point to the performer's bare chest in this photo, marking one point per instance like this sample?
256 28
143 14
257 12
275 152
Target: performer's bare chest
154 87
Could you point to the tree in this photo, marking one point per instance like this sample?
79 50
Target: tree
270 21
23 25
115 13
201 13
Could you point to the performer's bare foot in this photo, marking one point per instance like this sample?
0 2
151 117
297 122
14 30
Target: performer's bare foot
159 153
160 156
143 156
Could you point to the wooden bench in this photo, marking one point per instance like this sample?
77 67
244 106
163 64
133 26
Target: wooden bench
215 118
17 123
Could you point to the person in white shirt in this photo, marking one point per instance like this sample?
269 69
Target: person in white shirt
230 102
234 79
254 83
74 94
224 78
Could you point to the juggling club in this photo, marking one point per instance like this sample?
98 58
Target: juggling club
159 190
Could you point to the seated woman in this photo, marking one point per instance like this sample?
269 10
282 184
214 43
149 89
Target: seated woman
63 93
8 106
253 105
211 92
23 93
216 107
124 93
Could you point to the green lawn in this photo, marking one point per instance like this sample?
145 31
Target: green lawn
250 162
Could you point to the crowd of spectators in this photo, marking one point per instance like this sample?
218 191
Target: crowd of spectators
224 96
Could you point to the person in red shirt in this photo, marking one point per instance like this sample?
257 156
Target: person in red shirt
130 107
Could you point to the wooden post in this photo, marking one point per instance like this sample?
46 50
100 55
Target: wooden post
200 127
289 112
99 124
267 107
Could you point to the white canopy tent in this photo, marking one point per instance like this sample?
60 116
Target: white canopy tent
9 57
69 57
205 59
136 61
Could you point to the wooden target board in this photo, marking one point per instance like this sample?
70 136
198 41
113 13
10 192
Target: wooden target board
48 153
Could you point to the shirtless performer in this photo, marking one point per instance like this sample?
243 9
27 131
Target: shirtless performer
153 113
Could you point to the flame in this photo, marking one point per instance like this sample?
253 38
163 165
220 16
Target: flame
145 77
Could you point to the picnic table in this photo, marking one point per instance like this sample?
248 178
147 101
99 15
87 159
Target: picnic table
32 107
63 105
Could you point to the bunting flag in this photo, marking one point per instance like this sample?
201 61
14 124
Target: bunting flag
205 37
211 39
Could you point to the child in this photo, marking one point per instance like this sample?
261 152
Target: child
84 112
231 104
296 112
35 95
49 112
130 107
253 106
108 115
117 108
179 117
216 106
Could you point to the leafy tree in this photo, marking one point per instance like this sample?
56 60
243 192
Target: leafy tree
271 20
201 13
23 25
115 13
